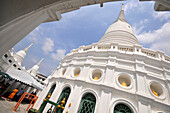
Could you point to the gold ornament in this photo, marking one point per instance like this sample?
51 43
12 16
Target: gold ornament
48 97
76 74
63 101
69 105
96 78
155 93
58 106
124 84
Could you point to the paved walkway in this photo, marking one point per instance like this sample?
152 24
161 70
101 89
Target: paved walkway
8 107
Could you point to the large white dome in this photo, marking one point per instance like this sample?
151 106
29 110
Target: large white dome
120 26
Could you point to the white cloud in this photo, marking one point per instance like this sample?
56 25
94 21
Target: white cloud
163 46
136 5
32 37
48 45
34 60
60 53
130 5
158 39
138 27
161 15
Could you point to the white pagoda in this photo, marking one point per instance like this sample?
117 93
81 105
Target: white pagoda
114 75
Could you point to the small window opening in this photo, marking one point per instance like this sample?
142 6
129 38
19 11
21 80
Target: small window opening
10 61
15 65
6 56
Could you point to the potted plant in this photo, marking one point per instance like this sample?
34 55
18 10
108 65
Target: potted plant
32 110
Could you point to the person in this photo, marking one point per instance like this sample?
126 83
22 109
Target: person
11 96
19 93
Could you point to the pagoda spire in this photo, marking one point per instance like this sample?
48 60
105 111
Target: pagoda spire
121 16
20 55
33 71
27 48
40 62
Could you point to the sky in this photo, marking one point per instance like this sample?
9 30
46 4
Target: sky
53 40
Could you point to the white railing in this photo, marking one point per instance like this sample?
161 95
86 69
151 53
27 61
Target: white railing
149 53
125 49
167 58
88 48
135 49
104 47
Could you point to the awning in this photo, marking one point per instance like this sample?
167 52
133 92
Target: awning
6 75
25 77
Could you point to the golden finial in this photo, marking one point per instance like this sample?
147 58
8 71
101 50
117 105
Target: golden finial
122 6
67 111
124 84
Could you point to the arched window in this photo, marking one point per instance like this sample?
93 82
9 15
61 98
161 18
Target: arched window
122 108
64 94
44 102
87 104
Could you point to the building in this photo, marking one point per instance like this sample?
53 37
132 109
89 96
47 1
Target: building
11 63
41 78
161 5
114 75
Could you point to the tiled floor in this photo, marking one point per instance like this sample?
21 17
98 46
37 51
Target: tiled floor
8 107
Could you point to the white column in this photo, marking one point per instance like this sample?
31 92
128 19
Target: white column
30 91
54 97
12 33
29 88
38 92
144 107
67 73
104 102
85 72
108 77
20 86
74 99
141 84
26 88
42 95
